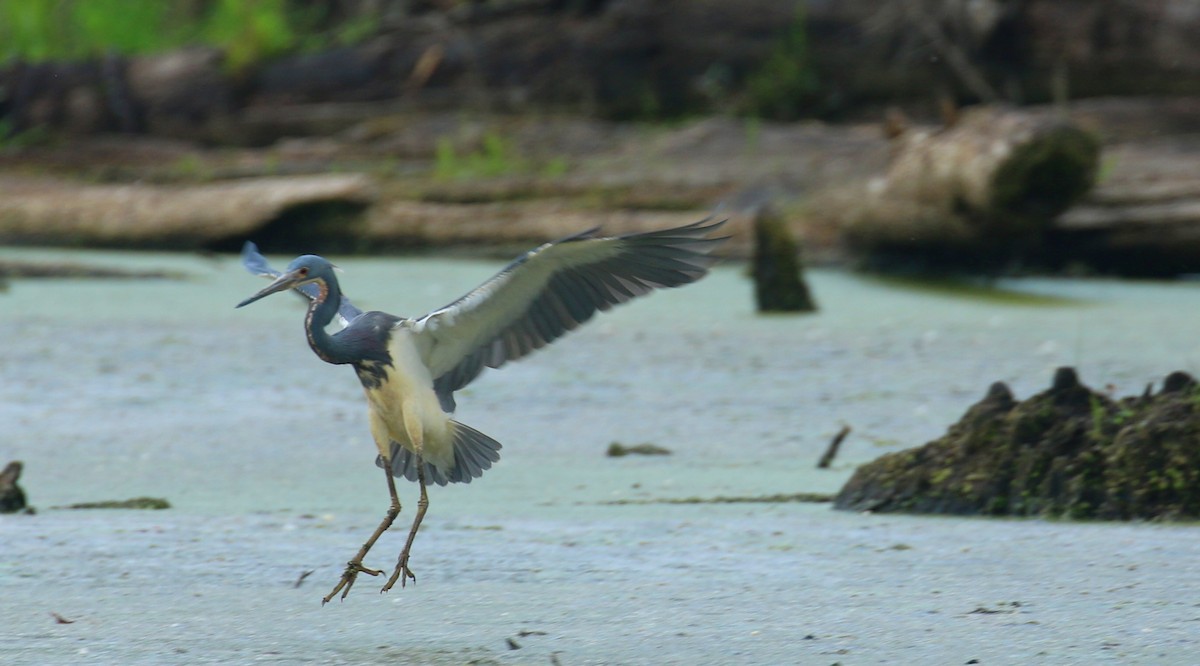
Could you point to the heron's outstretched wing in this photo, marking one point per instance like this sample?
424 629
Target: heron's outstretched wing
257 264
551 290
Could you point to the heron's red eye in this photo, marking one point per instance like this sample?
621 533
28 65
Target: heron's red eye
303 271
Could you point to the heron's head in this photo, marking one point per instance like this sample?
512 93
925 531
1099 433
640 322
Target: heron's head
302 270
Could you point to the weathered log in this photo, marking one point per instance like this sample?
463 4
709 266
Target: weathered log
1143 220
997 178
401 223
141 215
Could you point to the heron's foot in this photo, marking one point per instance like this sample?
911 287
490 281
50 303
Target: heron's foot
402 574
353 568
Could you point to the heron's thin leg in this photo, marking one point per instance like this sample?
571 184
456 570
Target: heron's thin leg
355 566
402 572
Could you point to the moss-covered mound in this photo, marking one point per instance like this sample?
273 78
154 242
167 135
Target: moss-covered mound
1065 452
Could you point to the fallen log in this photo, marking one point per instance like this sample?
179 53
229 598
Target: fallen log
995 180
55 212
1143 221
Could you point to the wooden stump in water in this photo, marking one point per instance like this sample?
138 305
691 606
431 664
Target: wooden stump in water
991 183
778 282
12 498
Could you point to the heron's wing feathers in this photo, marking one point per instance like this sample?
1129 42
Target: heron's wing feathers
258 265
551 290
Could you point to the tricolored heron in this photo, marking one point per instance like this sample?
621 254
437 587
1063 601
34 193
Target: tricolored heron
410 368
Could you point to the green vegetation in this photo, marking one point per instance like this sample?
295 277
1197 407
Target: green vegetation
247 30
496 156
785 87
31 137
38 30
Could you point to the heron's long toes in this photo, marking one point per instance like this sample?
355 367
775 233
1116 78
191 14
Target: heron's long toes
402 574
357 567
353 568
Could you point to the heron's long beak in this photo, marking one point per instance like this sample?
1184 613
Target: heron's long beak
285 281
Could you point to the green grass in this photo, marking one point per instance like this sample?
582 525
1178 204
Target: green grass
247 30
495 157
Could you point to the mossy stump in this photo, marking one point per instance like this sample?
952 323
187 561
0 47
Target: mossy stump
778 280
12 498
1067 452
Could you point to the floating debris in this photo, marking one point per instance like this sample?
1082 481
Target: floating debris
617 449
38 269
780 498
303 575
832 451
154 503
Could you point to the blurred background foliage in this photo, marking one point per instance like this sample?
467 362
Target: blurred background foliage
785 86
246 30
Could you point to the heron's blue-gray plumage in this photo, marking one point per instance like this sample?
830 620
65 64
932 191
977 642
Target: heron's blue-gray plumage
530 303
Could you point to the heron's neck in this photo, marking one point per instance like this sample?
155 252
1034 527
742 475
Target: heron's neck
320 312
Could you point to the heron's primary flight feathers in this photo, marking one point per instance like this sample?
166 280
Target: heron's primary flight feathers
551 290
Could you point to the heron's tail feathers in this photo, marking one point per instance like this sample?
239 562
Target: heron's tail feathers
474 452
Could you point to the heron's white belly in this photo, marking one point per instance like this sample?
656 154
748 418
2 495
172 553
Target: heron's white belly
408 408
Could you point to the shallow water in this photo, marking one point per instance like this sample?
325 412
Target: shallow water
115 389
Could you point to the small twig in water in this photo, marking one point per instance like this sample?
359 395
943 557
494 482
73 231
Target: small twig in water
303 575
831 452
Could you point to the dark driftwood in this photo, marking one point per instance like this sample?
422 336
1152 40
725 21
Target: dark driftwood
832 451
